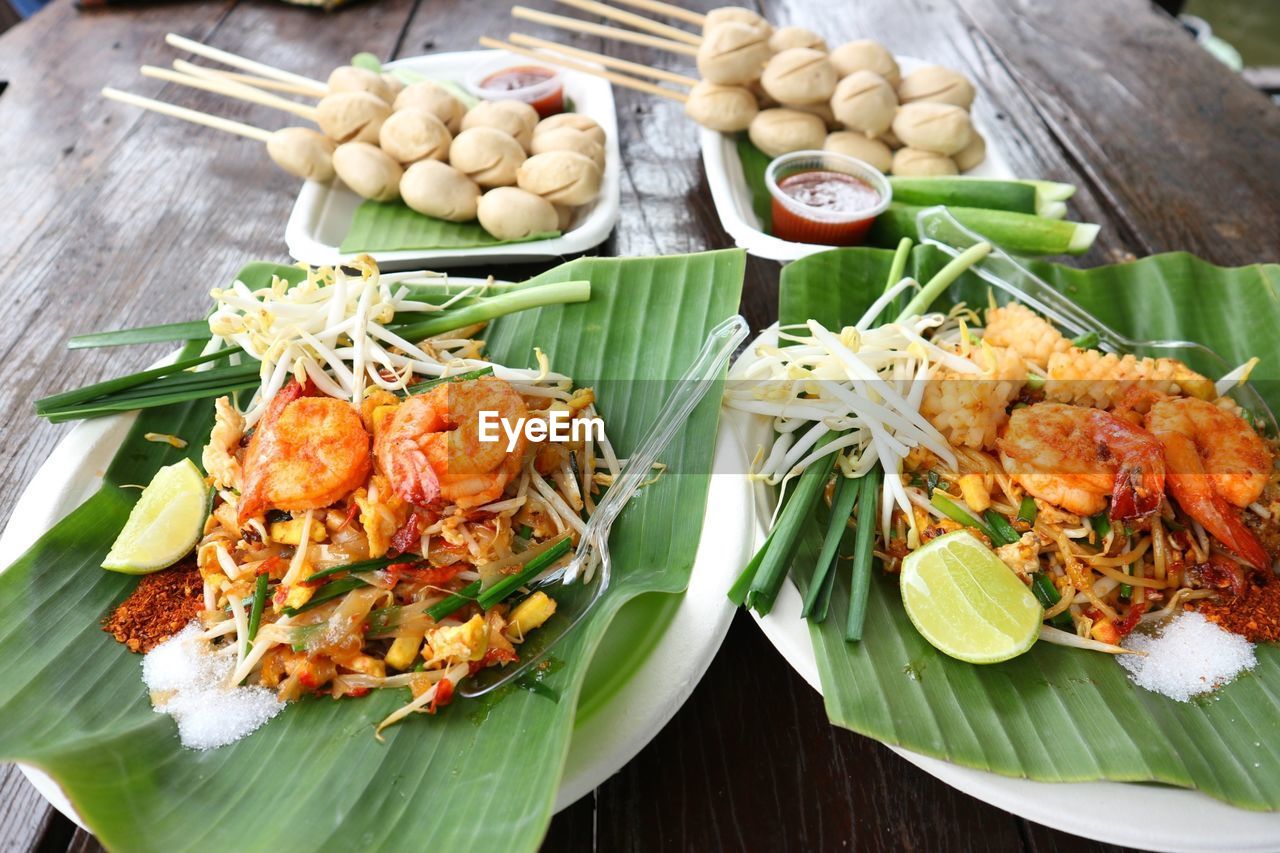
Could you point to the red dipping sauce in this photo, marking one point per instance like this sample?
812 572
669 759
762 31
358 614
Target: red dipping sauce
521 77
834 198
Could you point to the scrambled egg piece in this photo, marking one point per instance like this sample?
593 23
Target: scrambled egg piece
453 644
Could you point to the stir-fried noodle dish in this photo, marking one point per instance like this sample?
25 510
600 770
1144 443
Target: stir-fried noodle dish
1120 489
362 523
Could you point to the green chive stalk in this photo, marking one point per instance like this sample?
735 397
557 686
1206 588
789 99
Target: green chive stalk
860 581
818 598
255 612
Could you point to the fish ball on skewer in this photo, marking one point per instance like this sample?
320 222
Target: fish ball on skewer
822 111
437 189
912 162
780 131
865 101
938 85
866 55
394 85
413 134
860 146
368 170
724 108
564 217
800 75
562 177
348 78
577 121
733 54
972 155
568 139
789 37
435 99
514 117
487 156
736 14
302 152
509 213
352 116
941 128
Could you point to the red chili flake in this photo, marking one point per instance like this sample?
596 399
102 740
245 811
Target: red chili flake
1126 625
352 512
498 656
357 692
444 695
409 535
421 572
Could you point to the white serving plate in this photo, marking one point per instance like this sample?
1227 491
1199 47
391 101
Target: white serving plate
602 743
732 196
1159 817
322 213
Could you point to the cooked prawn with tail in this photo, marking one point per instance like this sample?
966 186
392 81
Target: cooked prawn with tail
1075 457
1216 463
431 449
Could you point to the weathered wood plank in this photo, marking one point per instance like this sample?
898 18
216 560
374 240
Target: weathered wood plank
24 814
1181 151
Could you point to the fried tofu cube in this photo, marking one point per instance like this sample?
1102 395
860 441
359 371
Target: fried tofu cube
529 615
404 651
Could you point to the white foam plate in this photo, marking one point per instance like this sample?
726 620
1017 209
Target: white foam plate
322 213
604 742
1155 817
732 196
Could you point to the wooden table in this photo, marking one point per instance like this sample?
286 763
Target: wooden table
114 217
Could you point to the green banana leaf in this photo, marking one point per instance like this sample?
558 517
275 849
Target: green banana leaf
479 775
1055 714
392 226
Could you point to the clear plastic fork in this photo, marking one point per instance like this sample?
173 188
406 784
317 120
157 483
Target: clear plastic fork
578 586
939 228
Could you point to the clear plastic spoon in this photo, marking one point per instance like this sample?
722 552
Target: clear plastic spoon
578 586
939 228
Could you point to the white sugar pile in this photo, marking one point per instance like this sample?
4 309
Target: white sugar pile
188 677
1188 656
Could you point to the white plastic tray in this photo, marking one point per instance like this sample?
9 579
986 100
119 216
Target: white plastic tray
322 213
732 196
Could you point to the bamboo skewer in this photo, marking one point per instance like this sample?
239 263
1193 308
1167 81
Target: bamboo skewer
231 89
253 67
606 61
617 79
638 22
194 116
670 10
248 79
577 26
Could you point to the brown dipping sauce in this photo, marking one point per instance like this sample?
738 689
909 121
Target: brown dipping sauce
829 192
522 77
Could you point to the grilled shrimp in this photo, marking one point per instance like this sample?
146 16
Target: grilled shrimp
1073 457
431 449
1216 462
307 452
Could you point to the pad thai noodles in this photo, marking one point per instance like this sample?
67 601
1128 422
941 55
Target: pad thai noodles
1120 489
366 529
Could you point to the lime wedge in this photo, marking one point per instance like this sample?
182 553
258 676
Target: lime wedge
165 523
968 603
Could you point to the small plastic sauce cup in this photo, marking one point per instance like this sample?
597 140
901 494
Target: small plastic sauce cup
540 87
825 198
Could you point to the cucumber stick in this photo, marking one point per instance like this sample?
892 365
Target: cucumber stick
1018 233
985 193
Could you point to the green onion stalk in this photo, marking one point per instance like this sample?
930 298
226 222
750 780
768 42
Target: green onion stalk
174 383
